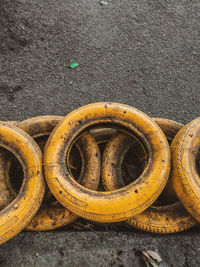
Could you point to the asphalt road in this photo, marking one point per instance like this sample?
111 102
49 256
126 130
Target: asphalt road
142 53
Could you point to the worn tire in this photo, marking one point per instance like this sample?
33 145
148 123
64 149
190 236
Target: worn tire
169 218
185 173
54 215
7 194
158 219
16 216
117 205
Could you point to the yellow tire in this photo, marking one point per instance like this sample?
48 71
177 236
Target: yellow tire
185 175
102 135
16 216
169 218
7 194
164 219
53 215
120 204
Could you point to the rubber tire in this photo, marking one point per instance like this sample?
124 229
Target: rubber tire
55 215
102 135
117 205
185 178
7 194
16 216
158 219
170 218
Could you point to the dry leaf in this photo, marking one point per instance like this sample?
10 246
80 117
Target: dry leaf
152 258
154 255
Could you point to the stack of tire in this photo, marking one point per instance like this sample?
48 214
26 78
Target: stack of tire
105 162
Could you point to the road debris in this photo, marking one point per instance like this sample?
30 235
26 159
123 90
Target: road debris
103 3
73 65
151 258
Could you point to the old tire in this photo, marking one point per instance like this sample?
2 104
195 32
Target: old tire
185 175
169 218
120 204
54 215
16 216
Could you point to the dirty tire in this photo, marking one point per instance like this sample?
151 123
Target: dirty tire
102 135
54 215
117 205
7 194
170 218
185 173
16 216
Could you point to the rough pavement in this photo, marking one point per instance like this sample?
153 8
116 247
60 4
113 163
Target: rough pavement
142 53
99 249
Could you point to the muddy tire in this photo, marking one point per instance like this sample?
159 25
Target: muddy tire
185 175
16 216
117 205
